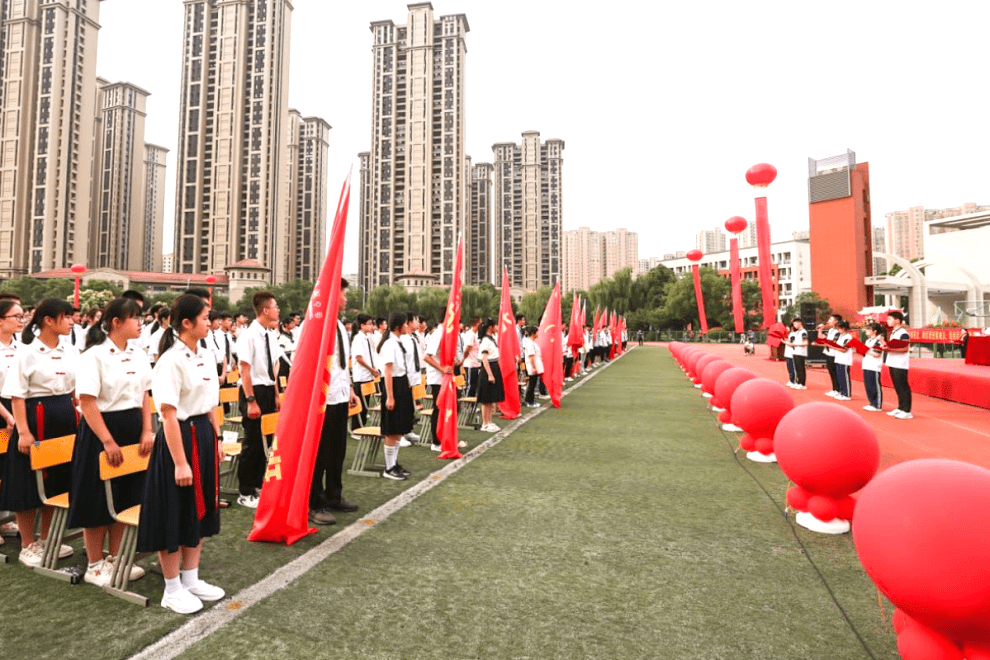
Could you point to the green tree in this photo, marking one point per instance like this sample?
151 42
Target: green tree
384 300
292 297
355 300
649 289
822 307
430 301
681 306
32 290
752 296
482 301
90 298
532 304
165 298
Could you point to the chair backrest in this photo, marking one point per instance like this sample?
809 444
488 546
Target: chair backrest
133 463
269 423
377 380
154 408
4 440
233 376
367 389
229 394
418 392
219 414
283 382
354 410
49 453
459 381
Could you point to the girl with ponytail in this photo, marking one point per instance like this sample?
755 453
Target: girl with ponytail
179 504
397 404
40 385
112 384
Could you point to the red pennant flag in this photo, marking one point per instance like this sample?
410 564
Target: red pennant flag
594 326
551 340
447 400
508 353
283 510
575 336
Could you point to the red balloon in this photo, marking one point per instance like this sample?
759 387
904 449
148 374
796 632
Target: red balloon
758 406
694 255
922 531
827 449
919 643
748 442
726 384
761 174
699 366
972 651
901 621
724 416
764 446
711 373
692 360
715 402
736 224
846 508
822 508
797 498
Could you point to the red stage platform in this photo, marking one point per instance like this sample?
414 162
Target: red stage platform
947 379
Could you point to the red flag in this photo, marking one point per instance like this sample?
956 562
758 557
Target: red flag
551 341
575 337
447 400
283 510
508 353
594 326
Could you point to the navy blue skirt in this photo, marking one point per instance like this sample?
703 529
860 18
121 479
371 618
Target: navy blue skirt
398 421
3 424
88 497
169 519
489 392
19 491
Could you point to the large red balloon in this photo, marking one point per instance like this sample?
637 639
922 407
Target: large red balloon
692 359
826 449
918 643
922 531
758 405
711 373
727 382
699 366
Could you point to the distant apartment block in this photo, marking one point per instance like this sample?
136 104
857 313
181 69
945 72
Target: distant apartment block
747 238
415 185
905 229
481 227
309 148
167 263
528 210
591 256
879 245
710 240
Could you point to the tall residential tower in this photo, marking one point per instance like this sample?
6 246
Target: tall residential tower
418 188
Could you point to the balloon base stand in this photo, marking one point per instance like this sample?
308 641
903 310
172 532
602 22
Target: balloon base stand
707 395
731 428
698 385
757 457
834 526
718 410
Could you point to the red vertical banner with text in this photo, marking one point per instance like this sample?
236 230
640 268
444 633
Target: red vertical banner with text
508 353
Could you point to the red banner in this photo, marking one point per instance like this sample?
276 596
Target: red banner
508 353
737 303
765 262
447 400
700 298
936 335
551 341
283 510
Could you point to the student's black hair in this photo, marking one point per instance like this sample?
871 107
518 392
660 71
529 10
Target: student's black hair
196 291
49 308
361 320
395 322
897 315
379 320
837 317
8 295
485 326
118 308
843 325
185 308
157 307
224 316
520 317
530 331
136 296
163 315
7 304
878 329
286 320
214 315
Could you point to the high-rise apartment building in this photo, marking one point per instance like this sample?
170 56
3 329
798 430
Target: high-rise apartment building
167 261
591 256
481 227
120 235
231 196
905 230
879 245
418 185
47 118
528 210
710 240
309 148
154 209
747 238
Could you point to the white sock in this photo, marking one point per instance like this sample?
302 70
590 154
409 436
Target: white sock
172 585
391 456
190 577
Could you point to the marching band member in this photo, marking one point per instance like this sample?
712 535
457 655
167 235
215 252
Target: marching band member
179 503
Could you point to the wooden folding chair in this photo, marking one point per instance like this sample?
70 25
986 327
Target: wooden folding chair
467 407
4 441
368 439
233 377
232 454
44 455
127 554
231 395
269 423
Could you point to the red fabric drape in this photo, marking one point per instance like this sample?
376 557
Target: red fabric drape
447 399
700 298
737 304
766 262
508 353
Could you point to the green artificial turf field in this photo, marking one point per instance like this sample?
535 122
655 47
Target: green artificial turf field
620 526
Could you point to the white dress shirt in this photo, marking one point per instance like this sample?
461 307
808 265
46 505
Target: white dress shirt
433 375
847 357
899 360
415 375
362 346
340 378
8 353
186 380
392 353
39 370
118 379
251 349
489 348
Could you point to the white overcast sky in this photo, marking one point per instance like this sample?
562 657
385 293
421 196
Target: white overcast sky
663 106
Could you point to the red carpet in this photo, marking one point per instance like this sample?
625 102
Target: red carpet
940 428
948 379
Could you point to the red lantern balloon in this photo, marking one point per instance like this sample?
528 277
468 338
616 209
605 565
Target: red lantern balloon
758 406
695 255
764 446
900 621
736 224
761 174
692 360
846 508
699 366
827 449
726 384
711 373
922 531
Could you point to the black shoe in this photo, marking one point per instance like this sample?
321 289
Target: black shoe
343 505
394 473
403 470
321 517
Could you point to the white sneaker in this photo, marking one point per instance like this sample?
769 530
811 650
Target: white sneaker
894 413
404 443
205 591
411 437
904 415
63 550
9 529
569 380
462 444
136 571
99 574
490 428
434 447
842 397
182 602
788 384
250 501
800 387
831 393
31 555
871 409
